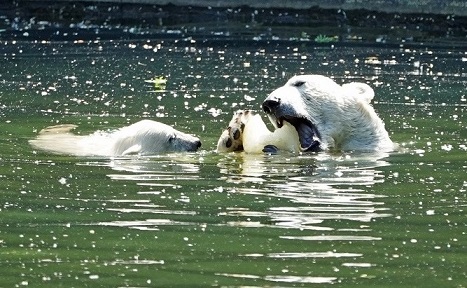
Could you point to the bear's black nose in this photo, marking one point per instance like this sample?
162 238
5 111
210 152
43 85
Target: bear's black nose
198 144
269 105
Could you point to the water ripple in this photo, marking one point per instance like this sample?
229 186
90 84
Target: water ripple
332 238
328 254
284 278
148 224
137 262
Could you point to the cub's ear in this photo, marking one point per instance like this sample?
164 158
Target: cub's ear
271 149
359 90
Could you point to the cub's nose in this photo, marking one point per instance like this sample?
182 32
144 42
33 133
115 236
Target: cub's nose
198 144
270 104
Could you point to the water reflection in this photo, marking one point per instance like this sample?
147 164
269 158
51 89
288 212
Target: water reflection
245 168
146 225
318 198
284 278
328 254
311 190
157 171
317 188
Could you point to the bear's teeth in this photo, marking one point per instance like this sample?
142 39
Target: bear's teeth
279 123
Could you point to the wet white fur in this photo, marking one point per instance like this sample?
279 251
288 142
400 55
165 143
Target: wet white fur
342 114
145 137
256 135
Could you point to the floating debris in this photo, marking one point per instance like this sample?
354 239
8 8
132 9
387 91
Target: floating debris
159 82
325 39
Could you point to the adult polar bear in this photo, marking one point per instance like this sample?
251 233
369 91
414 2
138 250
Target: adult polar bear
145 137
325 115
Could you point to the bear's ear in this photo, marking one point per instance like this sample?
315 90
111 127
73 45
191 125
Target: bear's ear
360 90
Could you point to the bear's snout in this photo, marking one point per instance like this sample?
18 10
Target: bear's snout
271 104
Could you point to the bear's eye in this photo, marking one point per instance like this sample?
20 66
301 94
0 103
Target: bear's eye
298 83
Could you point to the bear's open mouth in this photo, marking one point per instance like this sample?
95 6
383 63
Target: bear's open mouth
307 133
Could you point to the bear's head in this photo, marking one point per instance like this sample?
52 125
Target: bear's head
148 137
325 114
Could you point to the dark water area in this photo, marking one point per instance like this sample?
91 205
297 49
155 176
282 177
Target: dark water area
235 219
75 20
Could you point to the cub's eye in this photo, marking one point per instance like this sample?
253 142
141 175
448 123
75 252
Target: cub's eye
298 83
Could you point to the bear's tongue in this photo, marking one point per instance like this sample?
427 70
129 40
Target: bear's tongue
308 137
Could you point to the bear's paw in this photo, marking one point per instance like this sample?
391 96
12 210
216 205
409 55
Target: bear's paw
232 137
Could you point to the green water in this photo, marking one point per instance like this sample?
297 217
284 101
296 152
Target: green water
203 219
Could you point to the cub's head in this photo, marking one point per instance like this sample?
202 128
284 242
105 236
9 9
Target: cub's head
147 137
162 135
181 142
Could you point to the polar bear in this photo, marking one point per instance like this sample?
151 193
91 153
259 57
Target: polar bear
145 137
325 115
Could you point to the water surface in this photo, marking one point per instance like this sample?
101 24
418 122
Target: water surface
207 219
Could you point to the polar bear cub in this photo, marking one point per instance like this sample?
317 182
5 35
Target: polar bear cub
145 137
248 132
